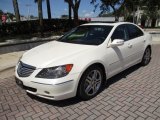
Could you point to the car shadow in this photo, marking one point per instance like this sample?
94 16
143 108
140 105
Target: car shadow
61 103
121 75
75 100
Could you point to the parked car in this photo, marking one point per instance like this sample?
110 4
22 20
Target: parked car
82 60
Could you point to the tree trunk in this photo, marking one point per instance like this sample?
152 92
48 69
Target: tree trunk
143 23
48 9
40 15
70 12
75 6
153 23
16 10
76 22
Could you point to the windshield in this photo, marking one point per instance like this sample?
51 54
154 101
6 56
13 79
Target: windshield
89 35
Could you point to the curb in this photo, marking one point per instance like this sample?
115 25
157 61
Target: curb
14 41
21 45
7 67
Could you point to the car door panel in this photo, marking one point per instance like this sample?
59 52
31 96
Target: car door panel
118 54
116 60
128 54
135 45
135 50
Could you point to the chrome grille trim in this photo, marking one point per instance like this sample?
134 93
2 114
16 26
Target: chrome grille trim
25 70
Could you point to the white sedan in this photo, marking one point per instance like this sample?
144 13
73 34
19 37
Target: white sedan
82 60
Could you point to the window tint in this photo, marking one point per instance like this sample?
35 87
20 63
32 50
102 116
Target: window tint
120 33
134 31
89 35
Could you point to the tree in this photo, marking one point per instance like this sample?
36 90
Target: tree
40 15
10 15
130 7
109 6
1 13
69 11
75 6
152 10
16 10
48 9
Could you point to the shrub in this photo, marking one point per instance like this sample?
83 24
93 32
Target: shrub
32 26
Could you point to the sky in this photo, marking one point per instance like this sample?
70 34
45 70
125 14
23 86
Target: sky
58 8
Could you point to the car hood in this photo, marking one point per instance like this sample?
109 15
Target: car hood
48 53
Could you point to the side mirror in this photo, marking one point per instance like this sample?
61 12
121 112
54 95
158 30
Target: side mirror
117 42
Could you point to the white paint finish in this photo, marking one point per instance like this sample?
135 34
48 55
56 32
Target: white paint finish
114 59
48 53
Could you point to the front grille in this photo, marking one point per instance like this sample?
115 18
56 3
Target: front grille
25 70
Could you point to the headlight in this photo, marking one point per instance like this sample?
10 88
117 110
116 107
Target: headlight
55 72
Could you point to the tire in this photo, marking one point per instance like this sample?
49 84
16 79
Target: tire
146 57
91 82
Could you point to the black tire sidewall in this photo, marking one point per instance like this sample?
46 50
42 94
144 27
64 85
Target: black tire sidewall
143 60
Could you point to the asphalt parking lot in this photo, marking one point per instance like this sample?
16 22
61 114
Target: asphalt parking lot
132 94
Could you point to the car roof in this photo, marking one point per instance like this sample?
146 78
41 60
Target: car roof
107 23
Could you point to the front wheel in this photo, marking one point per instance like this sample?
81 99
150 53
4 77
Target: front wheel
146 57
90 83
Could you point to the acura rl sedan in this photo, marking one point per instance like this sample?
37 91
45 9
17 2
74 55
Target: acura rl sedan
78 63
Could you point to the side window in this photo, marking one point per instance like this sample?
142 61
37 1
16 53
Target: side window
120 33
134 31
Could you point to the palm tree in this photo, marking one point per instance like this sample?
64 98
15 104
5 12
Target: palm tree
40 15
69 10
16 10
48 9
75 6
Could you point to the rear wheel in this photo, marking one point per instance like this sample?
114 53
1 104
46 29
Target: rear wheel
146 57
90 83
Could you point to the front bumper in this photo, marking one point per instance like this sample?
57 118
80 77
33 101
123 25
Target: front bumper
52 89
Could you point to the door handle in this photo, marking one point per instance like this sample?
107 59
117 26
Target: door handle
130 45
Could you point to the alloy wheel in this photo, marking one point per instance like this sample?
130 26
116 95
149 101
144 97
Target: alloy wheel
93 82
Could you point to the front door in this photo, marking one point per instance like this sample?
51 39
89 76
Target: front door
118 59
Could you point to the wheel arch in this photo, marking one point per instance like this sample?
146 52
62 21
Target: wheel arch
93 64
149 46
